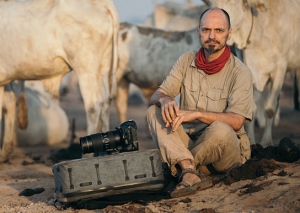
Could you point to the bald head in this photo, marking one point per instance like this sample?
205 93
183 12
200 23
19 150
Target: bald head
214 31
226 15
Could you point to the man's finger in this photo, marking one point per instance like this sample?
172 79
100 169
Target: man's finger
176 123
172 112
176 109
168 124
168 115
163 114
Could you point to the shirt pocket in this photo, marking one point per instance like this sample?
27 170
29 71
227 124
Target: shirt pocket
216 100
191 95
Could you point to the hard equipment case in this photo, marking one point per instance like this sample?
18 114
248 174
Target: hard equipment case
97 177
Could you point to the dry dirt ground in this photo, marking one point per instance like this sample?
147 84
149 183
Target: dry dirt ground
277 190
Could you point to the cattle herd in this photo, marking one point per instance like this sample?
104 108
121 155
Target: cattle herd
43 40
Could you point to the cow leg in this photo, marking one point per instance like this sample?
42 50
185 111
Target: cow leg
277 82
95 94
259 112
95 91
277 117
94 60
250 129
250 126
260 118
260 98
95 77
121 100
267 136
296 89
94 81
9 115
272 103
105 99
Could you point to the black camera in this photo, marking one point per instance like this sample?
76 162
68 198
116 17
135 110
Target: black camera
123 139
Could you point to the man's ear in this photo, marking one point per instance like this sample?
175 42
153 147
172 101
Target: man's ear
229 34
198 31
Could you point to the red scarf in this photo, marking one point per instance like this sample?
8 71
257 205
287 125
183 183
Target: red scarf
213 66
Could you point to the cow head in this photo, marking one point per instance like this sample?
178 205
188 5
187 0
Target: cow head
241 15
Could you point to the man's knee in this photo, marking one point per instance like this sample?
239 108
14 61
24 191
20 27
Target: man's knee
222 129
151 111
154 115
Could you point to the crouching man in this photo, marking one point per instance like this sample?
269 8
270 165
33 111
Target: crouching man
206 133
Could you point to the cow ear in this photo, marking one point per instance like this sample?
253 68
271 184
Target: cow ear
260 5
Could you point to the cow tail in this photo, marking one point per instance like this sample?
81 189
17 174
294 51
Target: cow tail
22 114
114 60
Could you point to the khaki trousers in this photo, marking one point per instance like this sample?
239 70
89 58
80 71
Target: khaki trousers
217 145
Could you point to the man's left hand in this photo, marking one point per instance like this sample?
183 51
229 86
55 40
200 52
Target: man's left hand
184 116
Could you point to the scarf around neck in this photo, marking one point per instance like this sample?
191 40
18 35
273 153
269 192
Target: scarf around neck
213 66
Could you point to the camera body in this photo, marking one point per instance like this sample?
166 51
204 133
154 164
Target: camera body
123 139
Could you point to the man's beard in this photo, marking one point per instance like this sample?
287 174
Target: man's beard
211 48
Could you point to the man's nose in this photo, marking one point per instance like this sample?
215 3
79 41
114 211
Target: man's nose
212 34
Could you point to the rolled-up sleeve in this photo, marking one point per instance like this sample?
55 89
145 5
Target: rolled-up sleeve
241 96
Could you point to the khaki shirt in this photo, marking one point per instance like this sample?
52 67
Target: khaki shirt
230 90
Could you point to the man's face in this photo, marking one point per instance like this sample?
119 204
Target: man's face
214 31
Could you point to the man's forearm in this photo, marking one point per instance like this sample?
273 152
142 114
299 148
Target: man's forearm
234 120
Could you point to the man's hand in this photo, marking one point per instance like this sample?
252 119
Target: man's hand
169 110
172 116
184 116
169 107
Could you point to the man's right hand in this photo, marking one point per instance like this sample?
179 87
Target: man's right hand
169 109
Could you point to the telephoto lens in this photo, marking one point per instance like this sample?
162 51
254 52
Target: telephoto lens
100 142
123 139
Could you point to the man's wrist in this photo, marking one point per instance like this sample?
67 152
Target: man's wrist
198 115
162 99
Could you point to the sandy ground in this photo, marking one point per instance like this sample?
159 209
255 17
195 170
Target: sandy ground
276 191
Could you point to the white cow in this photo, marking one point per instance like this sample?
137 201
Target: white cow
146 56
48 122
46 39
268 32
